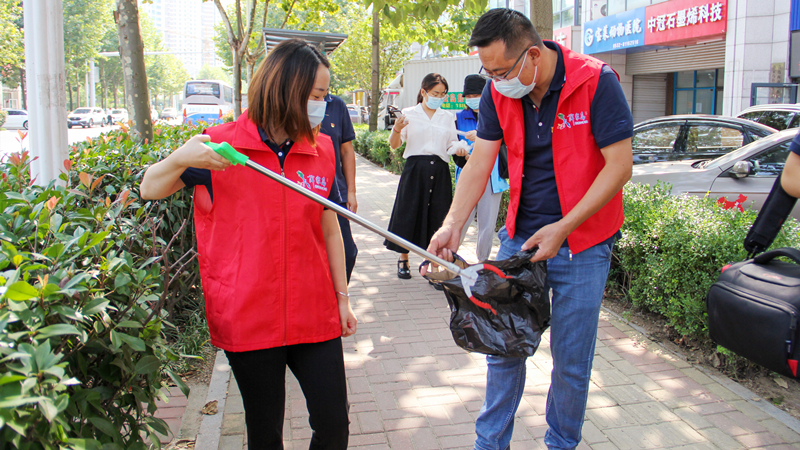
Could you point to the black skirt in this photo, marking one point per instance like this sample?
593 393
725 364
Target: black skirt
423 198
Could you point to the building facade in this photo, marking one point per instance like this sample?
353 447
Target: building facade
689 56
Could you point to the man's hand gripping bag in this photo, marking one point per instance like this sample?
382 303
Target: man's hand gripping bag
753 310
504 312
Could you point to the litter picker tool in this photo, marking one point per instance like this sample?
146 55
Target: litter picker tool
468 275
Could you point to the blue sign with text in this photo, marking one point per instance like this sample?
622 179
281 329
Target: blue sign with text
617 32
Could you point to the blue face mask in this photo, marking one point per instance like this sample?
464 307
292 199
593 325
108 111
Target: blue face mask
434 103
473 103
316 112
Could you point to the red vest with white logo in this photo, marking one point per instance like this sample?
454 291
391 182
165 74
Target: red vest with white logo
263 259
576 158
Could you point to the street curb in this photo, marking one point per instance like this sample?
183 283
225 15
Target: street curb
211 426
746 394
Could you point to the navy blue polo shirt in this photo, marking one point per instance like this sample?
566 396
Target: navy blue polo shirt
611 122
192 177
795 145
339 127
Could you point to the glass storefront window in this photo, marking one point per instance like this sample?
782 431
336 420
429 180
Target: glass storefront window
616 6
705 78
684 80
633 4
683 102
720 77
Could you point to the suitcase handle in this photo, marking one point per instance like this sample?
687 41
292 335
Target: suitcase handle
791 253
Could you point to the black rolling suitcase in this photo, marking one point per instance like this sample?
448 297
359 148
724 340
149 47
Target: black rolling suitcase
754 307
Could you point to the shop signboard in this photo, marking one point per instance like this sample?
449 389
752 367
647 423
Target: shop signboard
454 100
563 36
685 21
617 32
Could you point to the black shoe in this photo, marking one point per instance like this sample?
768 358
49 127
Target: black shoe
437 286
402 269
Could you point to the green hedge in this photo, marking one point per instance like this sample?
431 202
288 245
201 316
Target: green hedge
3 116
89 276
374 145
672 250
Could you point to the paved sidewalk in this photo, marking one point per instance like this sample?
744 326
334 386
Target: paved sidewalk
411 387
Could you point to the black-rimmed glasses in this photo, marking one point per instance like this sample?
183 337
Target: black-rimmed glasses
502 77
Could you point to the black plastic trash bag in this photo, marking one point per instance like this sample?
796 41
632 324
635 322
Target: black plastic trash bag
504 312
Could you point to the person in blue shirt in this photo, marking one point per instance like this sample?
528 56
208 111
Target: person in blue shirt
489 203
339 127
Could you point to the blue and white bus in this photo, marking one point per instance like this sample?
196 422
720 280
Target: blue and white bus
206 101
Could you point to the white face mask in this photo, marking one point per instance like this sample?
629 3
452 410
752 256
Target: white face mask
434 103
514 88
316 111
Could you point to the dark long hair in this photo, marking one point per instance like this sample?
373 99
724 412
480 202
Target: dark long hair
279 91
431 80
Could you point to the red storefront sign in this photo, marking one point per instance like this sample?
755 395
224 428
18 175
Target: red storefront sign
685 21
564 37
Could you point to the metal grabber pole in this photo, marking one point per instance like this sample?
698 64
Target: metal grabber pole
227 151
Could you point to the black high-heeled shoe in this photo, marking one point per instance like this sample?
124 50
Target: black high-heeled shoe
403 271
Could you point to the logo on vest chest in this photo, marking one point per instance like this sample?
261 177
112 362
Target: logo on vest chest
572 120
313 182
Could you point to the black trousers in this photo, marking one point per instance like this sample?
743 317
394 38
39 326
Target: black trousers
261 376
350 249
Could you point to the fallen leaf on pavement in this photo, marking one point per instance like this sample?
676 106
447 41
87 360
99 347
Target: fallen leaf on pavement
210 408
782 383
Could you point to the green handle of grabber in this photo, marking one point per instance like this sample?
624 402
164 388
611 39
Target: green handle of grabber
228 152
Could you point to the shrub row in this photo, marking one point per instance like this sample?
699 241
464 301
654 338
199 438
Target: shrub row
672 249
90 275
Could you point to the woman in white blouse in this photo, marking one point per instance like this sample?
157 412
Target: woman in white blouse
425 191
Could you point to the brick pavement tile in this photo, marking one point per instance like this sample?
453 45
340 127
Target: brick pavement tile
691 417
521 436
722 392
232 424
682 387
658 367
454 430
460 441
233 404
173 401
439 400
628 394
644 382
367 439
170 413
598 399
624 366
400 439
612 377
605 333
666 374
605 446
611 417
779 429
370 422
760 440
424 439
405 423
712 408
592 434
672 434
363 407
720 438
437 415
600 363
458 413
233 442
735 423
650 413
697 376
608 354
630 438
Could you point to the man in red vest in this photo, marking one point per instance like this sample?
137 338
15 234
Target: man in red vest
568 129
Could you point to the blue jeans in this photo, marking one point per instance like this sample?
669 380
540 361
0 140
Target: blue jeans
578 282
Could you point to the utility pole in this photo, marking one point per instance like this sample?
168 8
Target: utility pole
47 105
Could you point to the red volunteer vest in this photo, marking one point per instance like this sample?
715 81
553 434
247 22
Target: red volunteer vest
576 158
263 260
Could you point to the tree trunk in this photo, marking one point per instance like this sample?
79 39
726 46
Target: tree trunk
237 85
24 88
251 65
376 88
131 47
115 97
69 90
105 88
542 17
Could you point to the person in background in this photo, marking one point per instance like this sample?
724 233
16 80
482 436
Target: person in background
790 178
338 126
568 128
272 260
425 191
489 203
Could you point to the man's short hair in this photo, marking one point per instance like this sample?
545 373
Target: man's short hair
506 25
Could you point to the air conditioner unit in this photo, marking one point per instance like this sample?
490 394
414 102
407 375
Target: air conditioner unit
599 9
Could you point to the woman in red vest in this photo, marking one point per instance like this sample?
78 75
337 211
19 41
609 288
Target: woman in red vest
271 260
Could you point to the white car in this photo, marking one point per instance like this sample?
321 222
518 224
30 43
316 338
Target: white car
744 176
17 118
86 117
118 115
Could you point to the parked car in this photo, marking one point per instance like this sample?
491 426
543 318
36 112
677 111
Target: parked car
692 136
17 118
86 117
118 115
356 115
749 171
779 115
168 113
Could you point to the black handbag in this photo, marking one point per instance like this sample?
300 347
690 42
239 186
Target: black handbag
753 310
773 214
